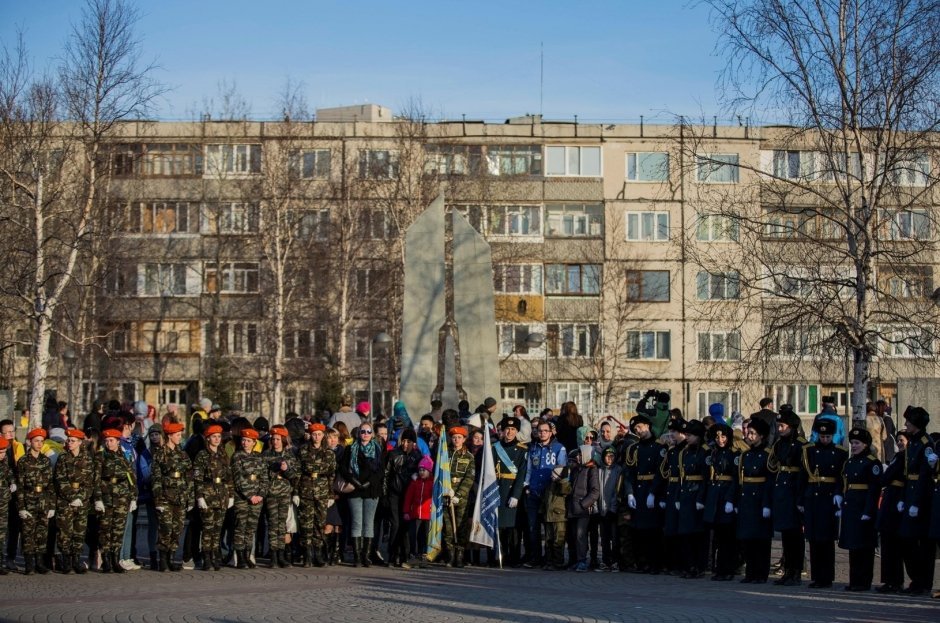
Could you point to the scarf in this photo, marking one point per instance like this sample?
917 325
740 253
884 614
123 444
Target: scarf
369 451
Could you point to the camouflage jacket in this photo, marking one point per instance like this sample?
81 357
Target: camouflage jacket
282 482
462 473
74 477
7 478
212 474
172 477
34 483
317 466
117 478
250 475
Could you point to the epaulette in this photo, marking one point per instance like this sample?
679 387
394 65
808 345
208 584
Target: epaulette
924 439
802 439
872 457
524 446
768 450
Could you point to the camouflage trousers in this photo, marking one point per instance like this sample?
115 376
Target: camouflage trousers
276 506
212 519
71 522
4 518
35 530
311 519
555 532
170 527
463 528
112 522
246 523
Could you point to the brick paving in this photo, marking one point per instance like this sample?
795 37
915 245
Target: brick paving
344 593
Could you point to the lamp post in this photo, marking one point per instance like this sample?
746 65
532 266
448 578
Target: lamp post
69 356
379 338
535 340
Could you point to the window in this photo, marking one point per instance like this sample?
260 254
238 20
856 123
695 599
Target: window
573 161
513 160
647 286
311 163
730 400
913 171
517 278
121 280
717 228
24 344
230 218
377 225
841 165
162 279
119 339
648 344
164 217
241 159
449 159
647 166
166 337
248 397
804 398
796 343
907 342
515 221
574 220
573 340
719 346
157 160
475 215
512 393
906 224
237 338
808 223
378 164
371 282
511 339
912 283
718 168
647 226
314 224
717 286
793 165
580 393
232 277
812 282
580 279
305 343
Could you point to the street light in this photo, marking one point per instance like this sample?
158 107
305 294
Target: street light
535 340
379 338
69 356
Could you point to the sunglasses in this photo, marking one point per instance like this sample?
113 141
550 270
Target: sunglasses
365 432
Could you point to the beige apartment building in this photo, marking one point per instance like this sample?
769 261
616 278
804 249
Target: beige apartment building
615 252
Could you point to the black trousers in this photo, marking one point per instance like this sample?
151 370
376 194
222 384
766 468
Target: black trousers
794 548
609 539
822 561
892 562
757 559
648 548
726 549
509 546
14 527
693 551
861 566
919 555
397 530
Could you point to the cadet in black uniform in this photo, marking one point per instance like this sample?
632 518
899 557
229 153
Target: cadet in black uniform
862 487
756 481
510 459
693 471
642 483
918 549
823 462
719 501
889 521
789 488
669 469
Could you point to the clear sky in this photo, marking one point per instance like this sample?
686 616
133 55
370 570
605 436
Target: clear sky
604 60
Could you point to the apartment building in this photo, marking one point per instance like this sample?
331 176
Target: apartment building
624 256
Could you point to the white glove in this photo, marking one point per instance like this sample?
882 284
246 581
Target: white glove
231 503
512 503
132 507
13 488
837 500
77 503
699 506
838 513
99 506
765 513
189 508
454 501
24 515
330 503
677 505
901 506
662 505
50 514
202 503
866 518
801 509
932 459
650 501
729 508
159 509
295 499
912 511
631 501
414 476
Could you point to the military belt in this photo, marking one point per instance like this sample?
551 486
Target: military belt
646 477
253 477
694 478
822 480
755 480
897 483
314 475
76 486
114 481
506 476
790 470
455 480
176 474
217 481
913 476
38 488
858 487
673 479
723 478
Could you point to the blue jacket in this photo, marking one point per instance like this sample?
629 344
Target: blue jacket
839 437
542 460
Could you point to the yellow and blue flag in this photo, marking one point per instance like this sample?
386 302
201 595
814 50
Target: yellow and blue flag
441 485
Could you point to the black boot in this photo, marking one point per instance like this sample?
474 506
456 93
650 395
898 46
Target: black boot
357 547
308 556
154 561
40 567
61 566
248 561
105 566
77 565
217 560
30 567
3 566
317 559
329 546
364 552
457 562
207 560
171 564
242 555
116 562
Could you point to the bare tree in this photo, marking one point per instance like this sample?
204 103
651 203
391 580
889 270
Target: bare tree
835 225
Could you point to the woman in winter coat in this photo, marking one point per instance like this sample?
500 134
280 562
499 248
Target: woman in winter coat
363 469
585 493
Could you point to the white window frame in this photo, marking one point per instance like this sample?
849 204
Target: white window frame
635 169
647 225
902 343
233 159
581 393
644 338
511 339
706 397
796 394
321 163
718 286
234 277
636 279
584 279
314 224
574 220
527 277
574 159
718 346
717 228
709 165
794 343
237 337
514 217
575 340
184 215
231 218
378 164
903 224
162 279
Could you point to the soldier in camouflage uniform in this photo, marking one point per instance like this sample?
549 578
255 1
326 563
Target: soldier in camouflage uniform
250 475
35 499
282 471
317 465
172 494
116 495
462 473
212 473
74 480
7 488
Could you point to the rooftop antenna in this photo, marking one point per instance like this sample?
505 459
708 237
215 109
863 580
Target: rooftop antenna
541 75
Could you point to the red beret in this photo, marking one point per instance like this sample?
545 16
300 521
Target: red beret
458 430
37 432
4 444
317 426
74 432
280 430
173 427
250 433
212 430
111 432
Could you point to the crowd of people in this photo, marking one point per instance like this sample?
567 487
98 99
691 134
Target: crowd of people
659 494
